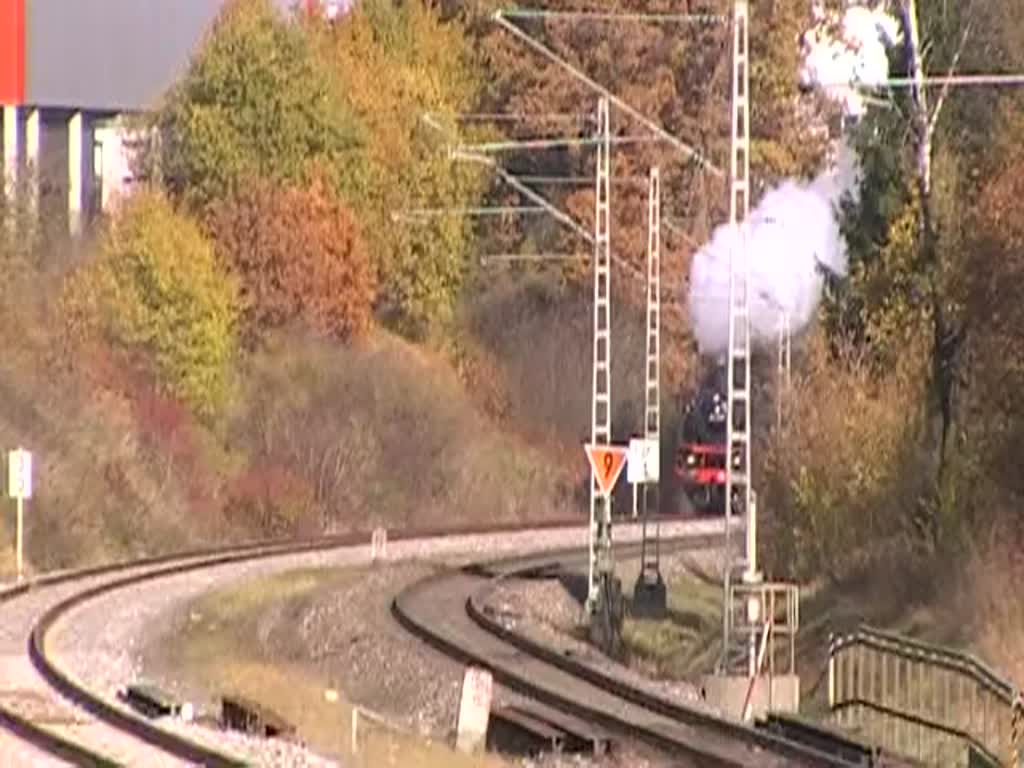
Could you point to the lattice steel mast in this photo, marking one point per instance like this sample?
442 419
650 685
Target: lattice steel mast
600 423
738 431
650 568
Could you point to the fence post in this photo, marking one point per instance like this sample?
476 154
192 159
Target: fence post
832 672
1017 732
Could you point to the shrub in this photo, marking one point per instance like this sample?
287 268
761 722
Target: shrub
159 287
298 252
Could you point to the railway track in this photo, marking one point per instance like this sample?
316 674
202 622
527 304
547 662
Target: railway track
449 611
80 727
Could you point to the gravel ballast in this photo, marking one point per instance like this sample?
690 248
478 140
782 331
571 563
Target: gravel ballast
349 638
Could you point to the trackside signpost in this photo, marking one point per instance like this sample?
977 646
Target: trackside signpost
19 488
607 462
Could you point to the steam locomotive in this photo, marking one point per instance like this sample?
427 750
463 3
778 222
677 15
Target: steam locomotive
700 458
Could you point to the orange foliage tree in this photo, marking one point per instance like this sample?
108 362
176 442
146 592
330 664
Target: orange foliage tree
300 255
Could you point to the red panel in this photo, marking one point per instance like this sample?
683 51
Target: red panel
12 51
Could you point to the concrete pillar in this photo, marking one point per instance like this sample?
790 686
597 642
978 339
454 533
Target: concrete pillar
75 134
32 141
10 169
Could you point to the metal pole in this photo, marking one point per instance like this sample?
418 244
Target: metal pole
738 430
652 372
600 424
19 535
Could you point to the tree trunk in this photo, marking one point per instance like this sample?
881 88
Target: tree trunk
948 335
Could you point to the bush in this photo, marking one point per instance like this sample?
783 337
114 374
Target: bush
298 253
840 480
159 287
381 433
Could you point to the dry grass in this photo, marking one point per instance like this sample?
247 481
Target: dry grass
988 599
382 432
218 652
688 643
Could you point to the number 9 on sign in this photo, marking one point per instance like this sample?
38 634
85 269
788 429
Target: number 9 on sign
19 474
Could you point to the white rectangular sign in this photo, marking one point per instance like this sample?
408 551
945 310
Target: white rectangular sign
19 474
474 710
642 463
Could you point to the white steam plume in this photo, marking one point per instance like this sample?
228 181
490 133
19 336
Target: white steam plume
793 233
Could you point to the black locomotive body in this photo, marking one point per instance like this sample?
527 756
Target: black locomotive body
700 464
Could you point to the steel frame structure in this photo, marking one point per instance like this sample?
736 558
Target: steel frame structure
650 564
738 427
601 565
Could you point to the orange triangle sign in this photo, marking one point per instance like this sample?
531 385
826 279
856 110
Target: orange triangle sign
607 462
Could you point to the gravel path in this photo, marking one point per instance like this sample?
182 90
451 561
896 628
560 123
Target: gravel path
101 642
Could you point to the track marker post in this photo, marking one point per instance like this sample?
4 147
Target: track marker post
19 488
606 608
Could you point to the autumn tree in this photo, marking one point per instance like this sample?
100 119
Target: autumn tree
159 288
255 102
928 161
402 72
299 253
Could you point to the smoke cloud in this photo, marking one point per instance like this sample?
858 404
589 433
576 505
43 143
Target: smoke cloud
792 234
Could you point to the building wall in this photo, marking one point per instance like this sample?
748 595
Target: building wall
12 51
109 55
99 55
96 58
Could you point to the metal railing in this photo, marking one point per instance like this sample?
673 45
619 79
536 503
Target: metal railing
923 701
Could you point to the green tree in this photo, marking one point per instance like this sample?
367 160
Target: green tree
255 103
392 64
159 287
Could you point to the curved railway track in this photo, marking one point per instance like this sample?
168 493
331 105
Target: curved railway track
101 732
449 611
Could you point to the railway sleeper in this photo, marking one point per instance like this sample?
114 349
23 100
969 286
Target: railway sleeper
535 727
150 700
241 714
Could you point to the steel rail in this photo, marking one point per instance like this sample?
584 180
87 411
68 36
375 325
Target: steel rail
702 749
160 566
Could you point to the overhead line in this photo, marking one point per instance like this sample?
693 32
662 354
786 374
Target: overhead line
684 18
507 146
424 213
688 150
934 80
519 116
512 257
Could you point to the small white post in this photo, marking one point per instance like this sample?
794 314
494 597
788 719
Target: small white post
10 142
75 173
21 518
19 488
32 159
355 730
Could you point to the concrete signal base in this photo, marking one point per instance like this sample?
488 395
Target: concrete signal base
729 692
650 597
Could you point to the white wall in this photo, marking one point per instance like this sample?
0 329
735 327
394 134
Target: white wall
114 149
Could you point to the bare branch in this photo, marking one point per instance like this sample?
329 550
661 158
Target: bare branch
952 71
